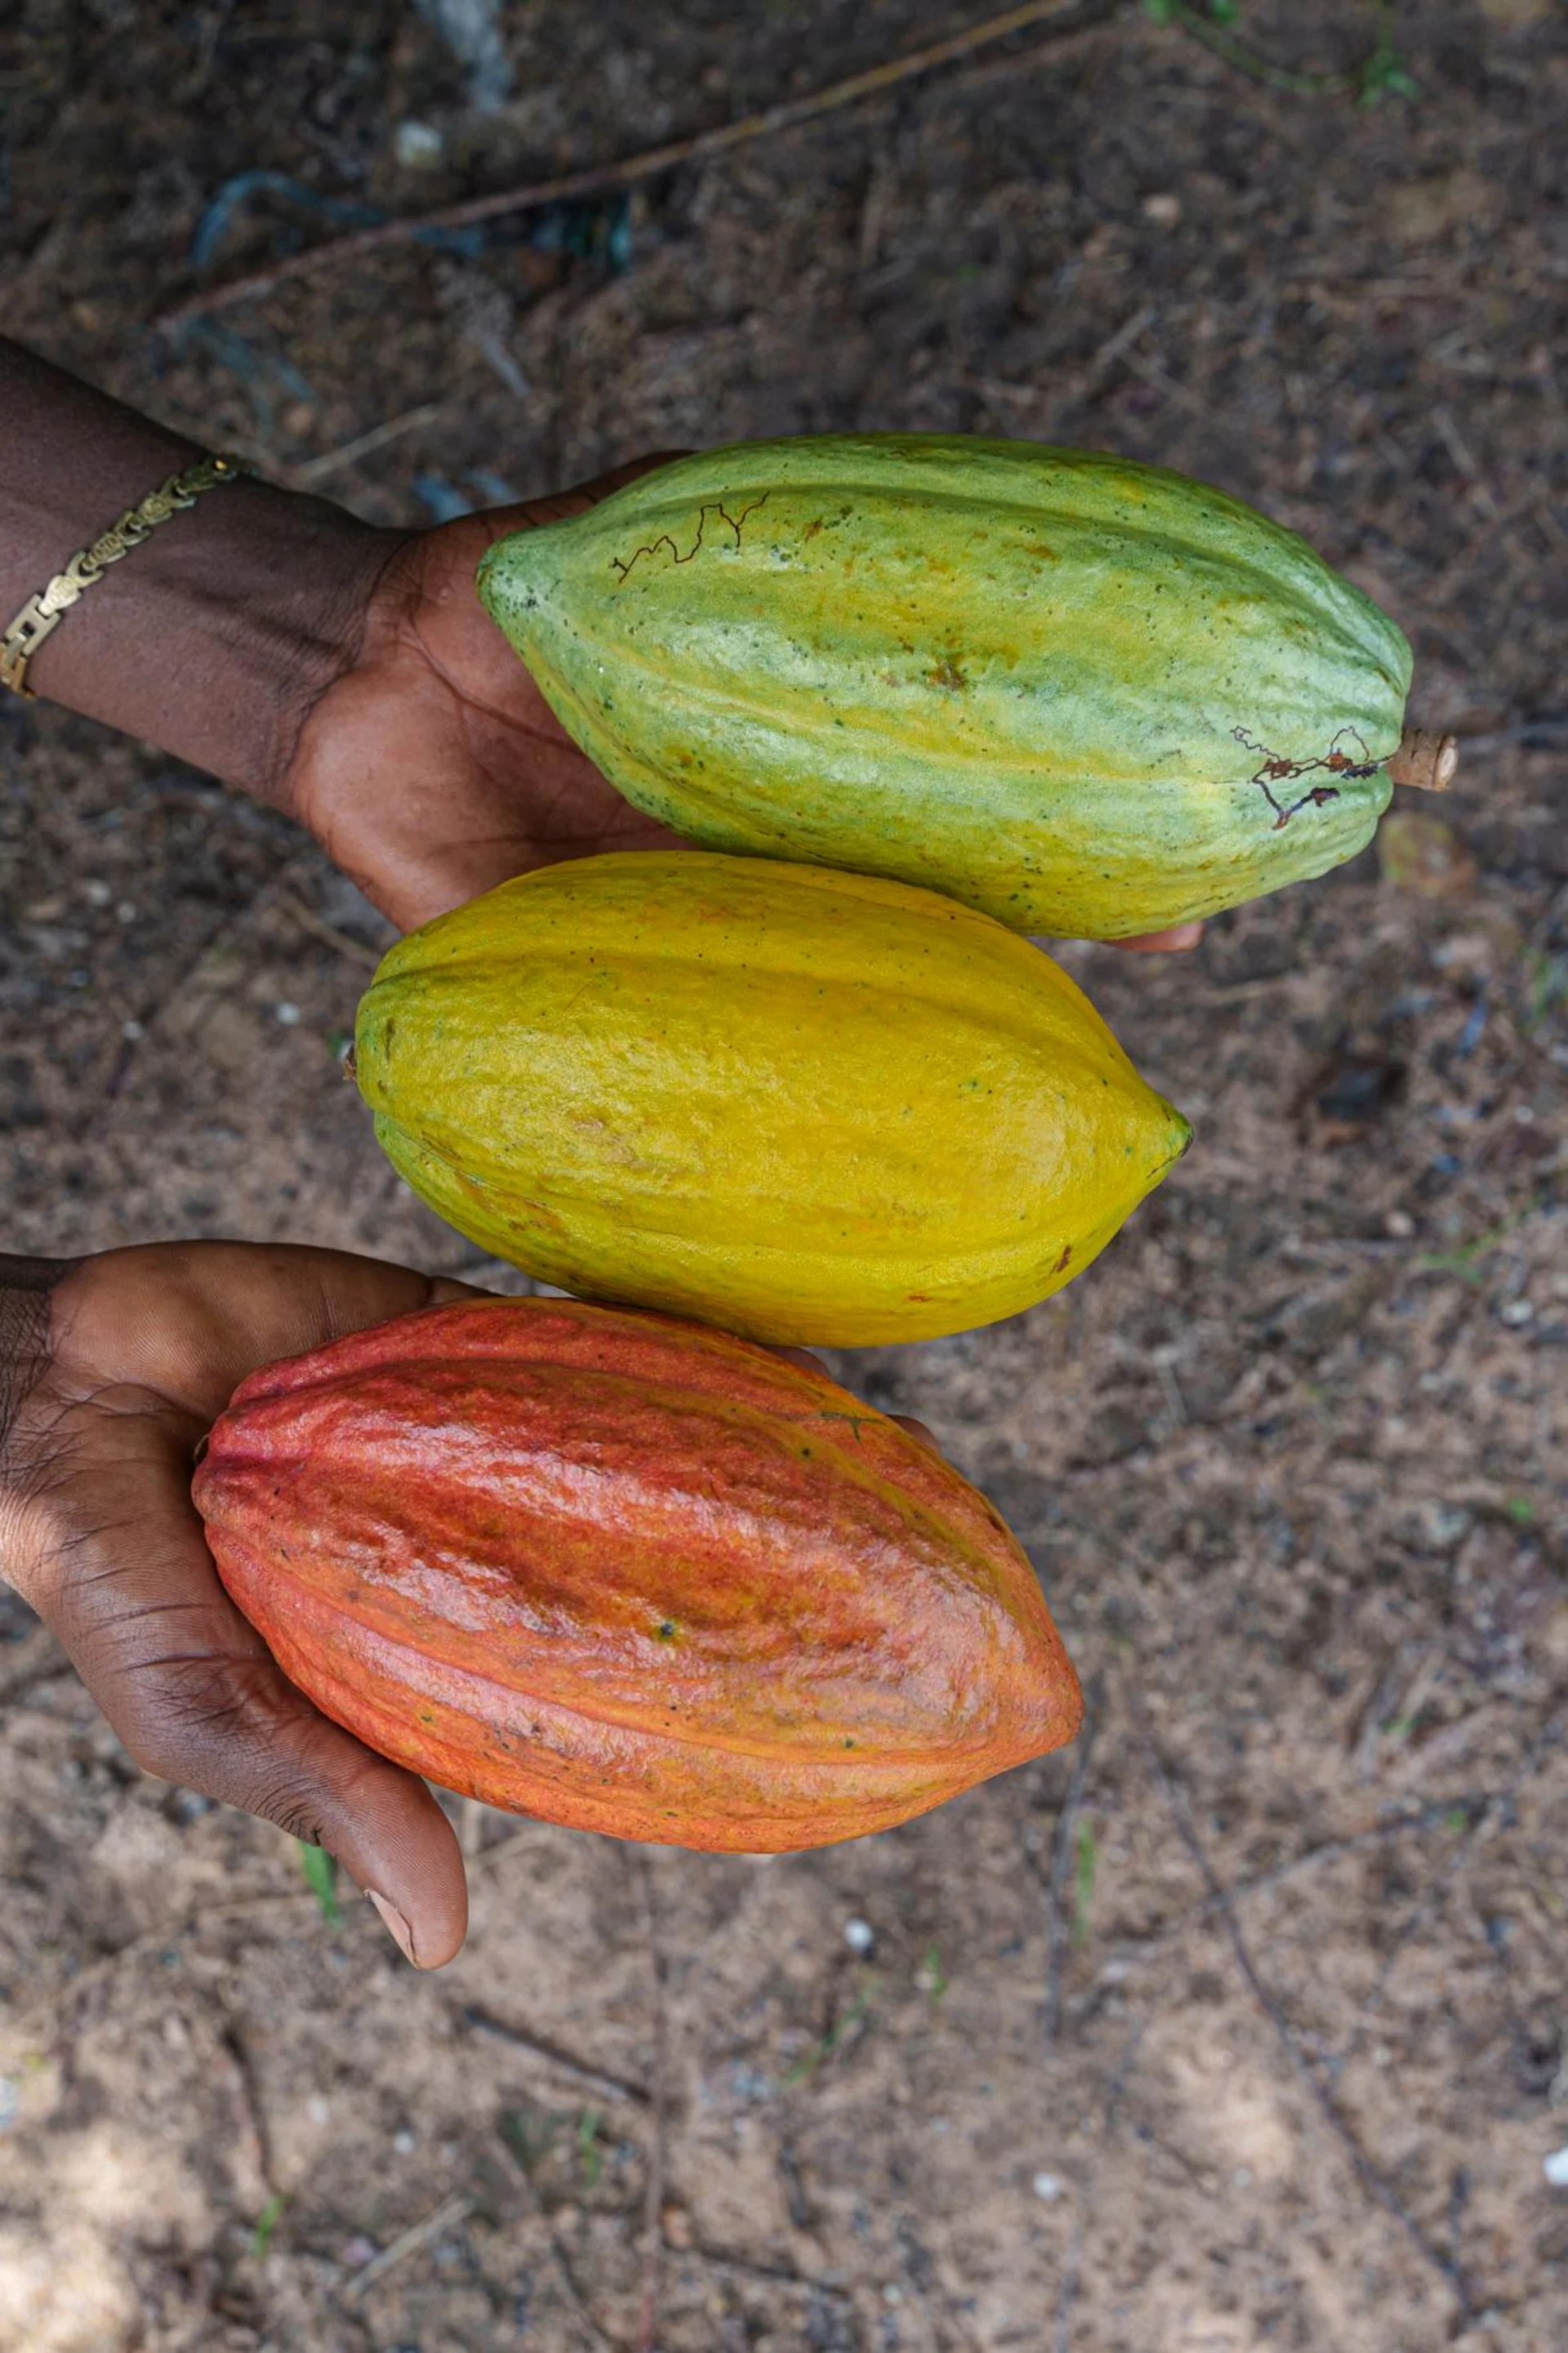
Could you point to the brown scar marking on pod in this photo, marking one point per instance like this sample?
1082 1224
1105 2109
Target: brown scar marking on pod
663 539
1275 768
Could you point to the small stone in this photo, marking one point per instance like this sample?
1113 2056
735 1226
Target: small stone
358 2251
1422 854
131 1030
96 893
287 1014
1399 1224
1555 2169
418 147
1515 1313
1048 2186
860 1936
125 913
1163 209
403 2142
678 2230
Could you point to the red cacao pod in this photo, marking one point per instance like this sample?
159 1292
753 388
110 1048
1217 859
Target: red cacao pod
631 1574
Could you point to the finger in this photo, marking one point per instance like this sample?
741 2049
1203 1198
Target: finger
188 1321
192 1690
1179 936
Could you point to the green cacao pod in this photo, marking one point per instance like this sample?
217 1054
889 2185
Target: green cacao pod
804 1104
630 1575
1088 696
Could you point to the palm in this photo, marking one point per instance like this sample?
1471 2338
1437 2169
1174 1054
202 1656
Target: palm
102 1537
434 769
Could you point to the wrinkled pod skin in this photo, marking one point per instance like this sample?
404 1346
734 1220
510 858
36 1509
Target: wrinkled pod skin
1088 696
630 1575
808 1106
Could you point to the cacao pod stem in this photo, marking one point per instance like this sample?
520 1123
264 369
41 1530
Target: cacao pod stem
1424 758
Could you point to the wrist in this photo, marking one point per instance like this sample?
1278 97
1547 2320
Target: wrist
214 636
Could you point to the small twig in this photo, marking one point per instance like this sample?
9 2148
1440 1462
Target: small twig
653 2198
328 934
1057 1926
594 2079
253 2115
1371 2179
1428 1817
408 2243
333 461
1382 1704
603 179
775 2275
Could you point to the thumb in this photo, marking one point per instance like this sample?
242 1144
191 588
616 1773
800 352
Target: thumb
228 1723
195 1694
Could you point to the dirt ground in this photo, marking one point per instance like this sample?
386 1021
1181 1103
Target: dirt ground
1242 2024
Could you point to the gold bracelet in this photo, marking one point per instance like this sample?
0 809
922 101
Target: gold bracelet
46 610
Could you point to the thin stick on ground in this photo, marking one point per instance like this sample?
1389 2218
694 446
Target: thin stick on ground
1371 2180
606 179
1429 1817
653 2198
1058 1927
343 942
555 2054
451 2211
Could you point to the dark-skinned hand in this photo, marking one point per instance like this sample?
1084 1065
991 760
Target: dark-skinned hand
112 1369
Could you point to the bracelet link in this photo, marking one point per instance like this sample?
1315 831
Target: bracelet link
47 607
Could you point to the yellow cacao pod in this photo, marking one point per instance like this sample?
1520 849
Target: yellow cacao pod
806 1105
1090 697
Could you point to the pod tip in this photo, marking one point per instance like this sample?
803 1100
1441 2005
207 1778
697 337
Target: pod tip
1424 758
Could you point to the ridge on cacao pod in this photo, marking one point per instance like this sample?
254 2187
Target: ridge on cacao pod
630 1575
804 1104
1088 696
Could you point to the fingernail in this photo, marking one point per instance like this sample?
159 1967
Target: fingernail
396 1927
